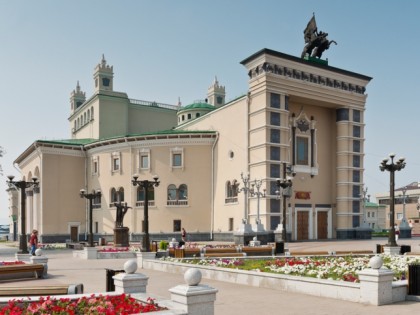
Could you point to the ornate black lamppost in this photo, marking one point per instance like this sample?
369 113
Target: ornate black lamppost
145 185
391 168
22 185
257 184
286 184
90 197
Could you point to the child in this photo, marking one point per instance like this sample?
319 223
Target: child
33 242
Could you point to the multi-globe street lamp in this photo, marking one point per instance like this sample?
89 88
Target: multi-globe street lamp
363 198
285 184
22 186
245 189
257 184
90 197
391 168
145 185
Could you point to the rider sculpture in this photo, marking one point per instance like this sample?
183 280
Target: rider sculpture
316 42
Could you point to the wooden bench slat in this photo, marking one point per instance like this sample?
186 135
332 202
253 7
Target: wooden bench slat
42 290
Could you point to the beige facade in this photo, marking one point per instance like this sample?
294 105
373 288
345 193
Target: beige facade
305 114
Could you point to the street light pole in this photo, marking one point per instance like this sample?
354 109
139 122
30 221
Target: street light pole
284 183
363 198
145 185
90 197
257 184
404 224
22 185
391 168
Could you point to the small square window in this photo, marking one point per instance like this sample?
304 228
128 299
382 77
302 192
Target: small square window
177 159
144 161
116 164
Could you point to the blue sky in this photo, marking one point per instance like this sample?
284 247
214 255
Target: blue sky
162 50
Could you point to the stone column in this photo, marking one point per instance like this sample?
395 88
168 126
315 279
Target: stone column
194 298
376 283
142 256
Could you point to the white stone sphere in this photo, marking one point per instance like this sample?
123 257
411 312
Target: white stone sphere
376 262
38 252
130 266
192 276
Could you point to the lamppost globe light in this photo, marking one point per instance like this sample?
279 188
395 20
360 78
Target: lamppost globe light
392 155
10 177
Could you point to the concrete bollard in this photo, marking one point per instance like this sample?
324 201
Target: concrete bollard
376 283
194 298
130 282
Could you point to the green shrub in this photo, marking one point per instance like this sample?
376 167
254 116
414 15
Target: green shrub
163 245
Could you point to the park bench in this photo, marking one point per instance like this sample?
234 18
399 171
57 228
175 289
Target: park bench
21 271
258 250
209 255
41 290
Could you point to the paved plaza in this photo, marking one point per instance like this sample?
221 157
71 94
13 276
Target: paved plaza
231 299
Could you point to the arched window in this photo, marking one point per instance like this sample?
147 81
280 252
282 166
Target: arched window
84 118
150 196
121 194
172 192
88 115
231 192
183 192
113 197
177 196
91 113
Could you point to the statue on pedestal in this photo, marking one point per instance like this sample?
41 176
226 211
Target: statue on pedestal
122 209
121 232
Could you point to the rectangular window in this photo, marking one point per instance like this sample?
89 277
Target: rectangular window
302 151
286 102
230 224
356 221
96 227
177 159
116 164
356 145
373 214
356 206
356 160
356 176
399 216
342 114
95 167
275 100
144 161
275 119
275 170
177 225
356 191
356 115
274 135
356 131
275 153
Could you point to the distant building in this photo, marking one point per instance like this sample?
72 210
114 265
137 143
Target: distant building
305 114
411 201
376 216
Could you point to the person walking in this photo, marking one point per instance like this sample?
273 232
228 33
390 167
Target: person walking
33 241
184 235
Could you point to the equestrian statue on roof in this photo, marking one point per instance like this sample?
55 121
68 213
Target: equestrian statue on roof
315 42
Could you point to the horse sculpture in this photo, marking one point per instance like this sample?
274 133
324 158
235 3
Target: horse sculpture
316 43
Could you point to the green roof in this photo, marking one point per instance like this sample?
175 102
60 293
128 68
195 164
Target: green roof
372 204
196 106
68 141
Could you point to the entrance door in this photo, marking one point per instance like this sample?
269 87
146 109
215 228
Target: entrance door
74 234
302 225
322 229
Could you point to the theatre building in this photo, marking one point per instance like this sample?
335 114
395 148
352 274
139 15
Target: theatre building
299 117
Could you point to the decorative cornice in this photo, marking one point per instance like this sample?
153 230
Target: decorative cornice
288 72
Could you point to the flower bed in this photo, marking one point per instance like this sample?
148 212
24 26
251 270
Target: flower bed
118 249
11 263
342 268
109 304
